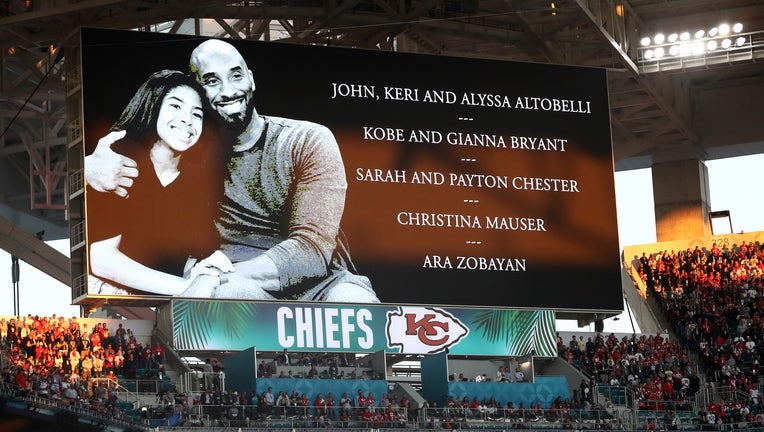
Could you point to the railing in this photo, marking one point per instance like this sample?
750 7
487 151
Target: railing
227 414
725 394
73 79
74 136
446 417
76 182
618 395
132 387
81 408
172 361
120 391
334 412
407 371
195 382
77 234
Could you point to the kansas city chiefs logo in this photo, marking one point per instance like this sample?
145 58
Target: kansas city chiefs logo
423 330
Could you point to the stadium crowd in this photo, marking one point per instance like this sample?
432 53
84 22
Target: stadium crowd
713 299
656 369
63 360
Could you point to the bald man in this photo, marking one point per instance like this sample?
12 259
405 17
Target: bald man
284 194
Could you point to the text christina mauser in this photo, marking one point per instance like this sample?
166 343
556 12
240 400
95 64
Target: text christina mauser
445 220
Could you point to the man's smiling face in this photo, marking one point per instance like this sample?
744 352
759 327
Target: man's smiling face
227 81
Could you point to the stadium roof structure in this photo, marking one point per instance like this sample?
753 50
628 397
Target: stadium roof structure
702 107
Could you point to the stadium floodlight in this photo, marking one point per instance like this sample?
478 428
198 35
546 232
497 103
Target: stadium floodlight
701 42
698 47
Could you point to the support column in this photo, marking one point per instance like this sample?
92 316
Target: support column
682 201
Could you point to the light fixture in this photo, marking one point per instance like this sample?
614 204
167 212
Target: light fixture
692 43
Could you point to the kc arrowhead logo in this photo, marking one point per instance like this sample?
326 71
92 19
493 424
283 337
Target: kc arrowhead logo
423 330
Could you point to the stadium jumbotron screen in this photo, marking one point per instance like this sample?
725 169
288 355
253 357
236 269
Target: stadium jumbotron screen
348 176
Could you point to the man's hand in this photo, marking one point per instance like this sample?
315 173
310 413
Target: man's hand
108 171
261 272
233 286
216 261
237 286
204 277
203 286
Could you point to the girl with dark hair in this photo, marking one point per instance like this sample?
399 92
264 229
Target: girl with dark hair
142 244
